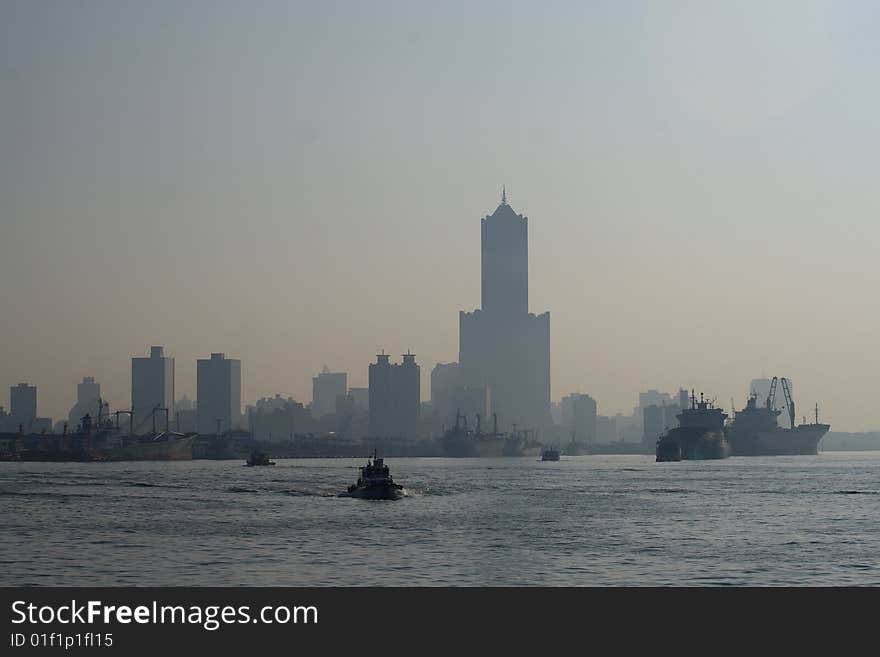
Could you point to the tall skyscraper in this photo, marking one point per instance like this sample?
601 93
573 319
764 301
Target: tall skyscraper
502 346
395 397
23 405
218 394
326 387
152 385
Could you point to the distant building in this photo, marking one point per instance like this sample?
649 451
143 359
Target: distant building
152 386
579 417
395 397
450 397
653 422
218 394
361 397
326 387
88 394
606 429
654 398
502 346
23 405
278 419
185 404
556 413
670 416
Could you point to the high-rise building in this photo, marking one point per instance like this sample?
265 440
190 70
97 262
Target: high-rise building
606 429
218 394
579 417
361 397
326 387
152 386
395 397
653 423
23 405
502 346
88 394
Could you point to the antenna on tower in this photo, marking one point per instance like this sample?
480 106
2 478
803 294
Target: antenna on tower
503 194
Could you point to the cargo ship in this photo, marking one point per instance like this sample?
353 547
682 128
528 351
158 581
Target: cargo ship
522 443
755 430
165 446
461 442
102 441
699 436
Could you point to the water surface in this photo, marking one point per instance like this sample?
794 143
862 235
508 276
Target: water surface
588 520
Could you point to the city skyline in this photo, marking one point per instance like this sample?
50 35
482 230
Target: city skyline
165 182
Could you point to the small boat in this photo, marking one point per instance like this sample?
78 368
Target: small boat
550 454
375 482
258 458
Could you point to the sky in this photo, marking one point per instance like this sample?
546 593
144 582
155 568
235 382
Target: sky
301 183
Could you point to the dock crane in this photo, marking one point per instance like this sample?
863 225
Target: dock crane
789 401
771 396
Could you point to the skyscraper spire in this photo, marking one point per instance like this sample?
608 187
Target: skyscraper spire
503 194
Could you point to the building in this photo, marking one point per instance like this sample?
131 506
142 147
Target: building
579 417
395 397
218 394
88 396
326 387
450 397
653 420
278 419
361 397
606 429
23 405
152 387
502 346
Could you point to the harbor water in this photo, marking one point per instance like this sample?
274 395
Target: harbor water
586 520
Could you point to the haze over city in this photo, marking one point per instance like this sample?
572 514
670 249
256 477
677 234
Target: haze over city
303 185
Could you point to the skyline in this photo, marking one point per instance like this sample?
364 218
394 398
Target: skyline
165 182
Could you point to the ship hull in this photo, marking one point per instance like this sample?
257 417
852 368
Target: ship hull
392 492
802 440
166 450
464 446
691 444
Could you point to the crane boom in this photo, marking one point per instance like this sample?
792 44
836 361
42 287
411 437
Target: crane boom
789 401
771 396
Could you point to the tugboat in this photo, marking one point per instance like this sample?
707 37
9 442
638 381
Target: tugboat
258 458
550 454
375 483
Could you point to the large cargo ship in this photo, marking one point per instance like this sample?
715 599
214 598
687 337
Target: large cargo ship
755 430
166 446
700 434
461 442
102 441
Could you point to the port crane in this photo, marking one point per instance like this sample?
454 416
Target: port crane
789 400
771 396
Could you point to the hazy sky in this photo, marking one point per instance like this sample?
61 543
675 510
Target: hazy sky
301 183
